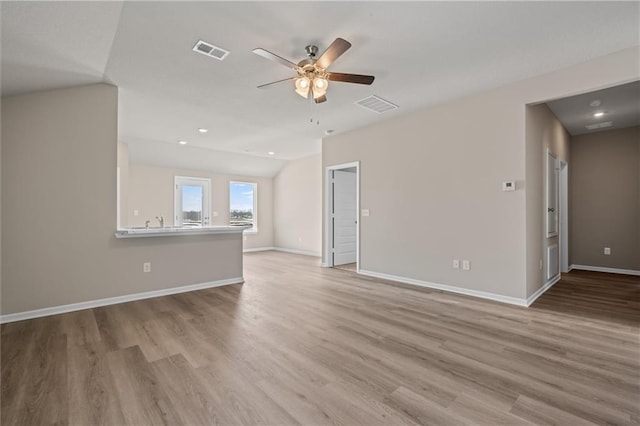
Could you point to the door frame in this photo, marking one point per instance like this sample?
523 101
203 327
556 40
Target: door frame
563 238
552 168
327 242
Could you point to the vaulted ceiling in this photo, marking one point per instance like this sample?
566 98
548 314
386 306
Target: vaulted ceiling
422 53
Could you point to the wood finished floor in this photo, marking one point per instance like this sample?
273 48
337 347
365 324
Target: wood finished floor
299 344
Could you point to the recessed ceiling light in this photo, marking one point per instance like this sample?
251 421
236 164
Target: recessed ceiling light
598 114
271 153
202 130
595 103
183 142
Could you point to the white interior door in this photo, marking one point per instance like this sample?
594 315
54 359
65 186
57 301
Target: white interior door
552 195
345 217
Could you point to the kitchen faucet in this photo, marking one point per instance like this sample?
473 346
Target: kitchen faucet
161 220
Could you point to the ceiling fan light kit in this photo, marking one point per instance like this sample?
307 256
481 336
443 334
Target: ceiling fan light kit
317 84
312 75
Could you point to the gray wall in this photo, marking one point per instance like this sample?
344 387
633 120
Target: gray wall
543 132
431 180
150 191
297 206
605 199
123 169
59 210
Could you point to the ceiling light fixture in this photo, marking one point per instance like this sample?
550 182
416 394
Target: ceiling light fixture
201 130
598 114
302 86
311 72
183 142
271 153
320 84
314 80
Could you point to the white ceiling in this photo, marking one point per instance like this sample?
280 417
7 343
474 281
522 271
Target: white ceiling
422 53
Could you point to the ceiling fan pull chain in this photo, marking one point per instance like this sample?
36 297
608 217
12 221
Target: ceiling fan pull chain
311 109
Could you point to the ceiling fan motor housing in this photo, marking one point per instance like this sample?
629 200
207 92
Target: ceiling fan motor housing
312 51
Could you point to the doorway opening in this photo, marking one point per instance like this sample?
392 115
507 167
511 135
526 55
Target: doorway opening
342 225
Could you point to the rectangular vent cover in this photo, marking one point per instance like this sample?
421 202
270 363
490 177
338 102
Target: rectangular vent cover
376 104
210 50
599 125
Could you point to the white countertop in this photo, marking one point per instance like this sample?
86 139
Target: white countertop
173 231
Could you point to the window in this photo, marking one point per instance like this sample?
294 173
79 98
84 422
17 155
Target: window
192 201
243 205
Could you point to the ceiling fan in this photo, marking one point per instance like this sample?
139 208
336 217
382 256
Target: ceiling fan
312 75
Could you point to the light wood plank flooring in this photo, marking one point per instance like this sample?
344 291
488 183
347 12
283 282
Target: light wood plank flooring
299 344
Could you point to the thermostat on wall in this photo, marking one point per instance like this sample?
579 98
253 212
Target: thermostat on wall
509 185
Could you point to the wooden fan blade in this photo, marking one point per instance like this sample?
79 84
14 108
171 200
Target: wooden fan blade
350 78
321 99
274 82
333 52
273 57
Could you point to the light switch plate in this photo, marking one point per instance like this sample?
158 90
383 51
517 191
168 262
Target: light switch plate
365 212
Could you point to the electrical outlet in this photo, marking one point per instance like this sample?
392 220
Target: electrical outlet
466 265
456 264
136 213
215 214
607 251
146 267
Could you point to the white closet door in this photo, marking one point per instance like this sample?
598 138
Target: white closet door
345 216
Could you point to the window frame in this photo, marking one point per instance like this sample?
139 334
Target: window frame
254 185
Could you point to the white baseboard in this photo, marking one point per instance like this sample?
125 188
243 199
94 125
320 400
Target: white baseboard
294 251
542 289
481 294
19 316
601 269
282 249
251 250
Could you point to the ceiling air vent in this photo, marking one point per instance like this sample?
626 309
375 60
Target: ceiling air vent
599 125
376 104
210 50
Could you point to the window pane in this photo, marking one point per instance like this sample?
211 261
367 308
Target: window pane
241 203
192 205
